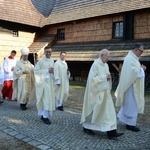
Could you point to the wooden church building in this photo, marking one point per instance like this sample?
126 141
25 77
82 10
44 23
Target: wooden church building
80 27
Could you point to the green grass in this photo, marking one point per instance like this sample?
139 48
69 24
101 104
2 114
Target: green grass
76 86
81 85
147 93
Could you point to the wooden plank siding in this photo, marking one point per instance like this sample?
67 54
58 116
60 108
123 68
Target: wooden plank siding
94 29
100 28
8 42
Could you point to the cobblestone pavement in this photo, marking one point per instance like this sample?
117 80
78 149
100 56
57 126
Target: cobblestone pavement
65 132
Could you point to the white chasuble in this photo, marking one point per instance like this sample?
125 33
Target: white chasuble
44 82
61 76
130 77
23 84
98 109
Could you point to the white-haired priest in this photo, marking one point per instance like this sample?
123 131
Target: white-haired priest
98 109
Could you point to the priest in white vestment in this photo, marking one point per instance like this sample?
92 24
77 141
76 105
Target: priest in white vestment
98 109
44 81
62 76
130 90
23 80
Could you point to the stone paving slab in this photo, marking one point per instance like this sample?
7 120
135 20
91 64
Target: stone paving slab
65 132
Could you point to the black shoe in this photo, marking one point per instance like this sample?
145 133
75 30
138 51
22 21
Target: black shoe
61 108
23 106
132 128
3 97
1 102
113 134
42 118
88 131
46 120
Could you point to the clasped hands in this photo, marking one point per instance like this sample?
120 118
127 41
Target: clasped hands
143 67
12 68
51 70
108 77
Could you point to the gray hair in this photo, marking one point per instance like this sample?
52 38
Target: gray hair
104 52
138 45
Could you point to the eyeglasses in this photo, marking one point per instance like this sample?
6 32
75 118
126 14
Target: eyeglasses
140 50
48 52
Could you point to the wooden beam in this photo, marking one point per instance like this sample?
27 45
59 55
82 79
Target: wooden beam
116 67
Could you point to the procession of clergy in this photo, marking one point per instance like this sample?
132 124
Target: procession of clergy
48 83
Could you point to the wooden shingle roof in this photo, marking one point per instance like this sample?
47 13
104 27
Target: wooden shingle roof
38 45
40 13
21 11
88 51
80 9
